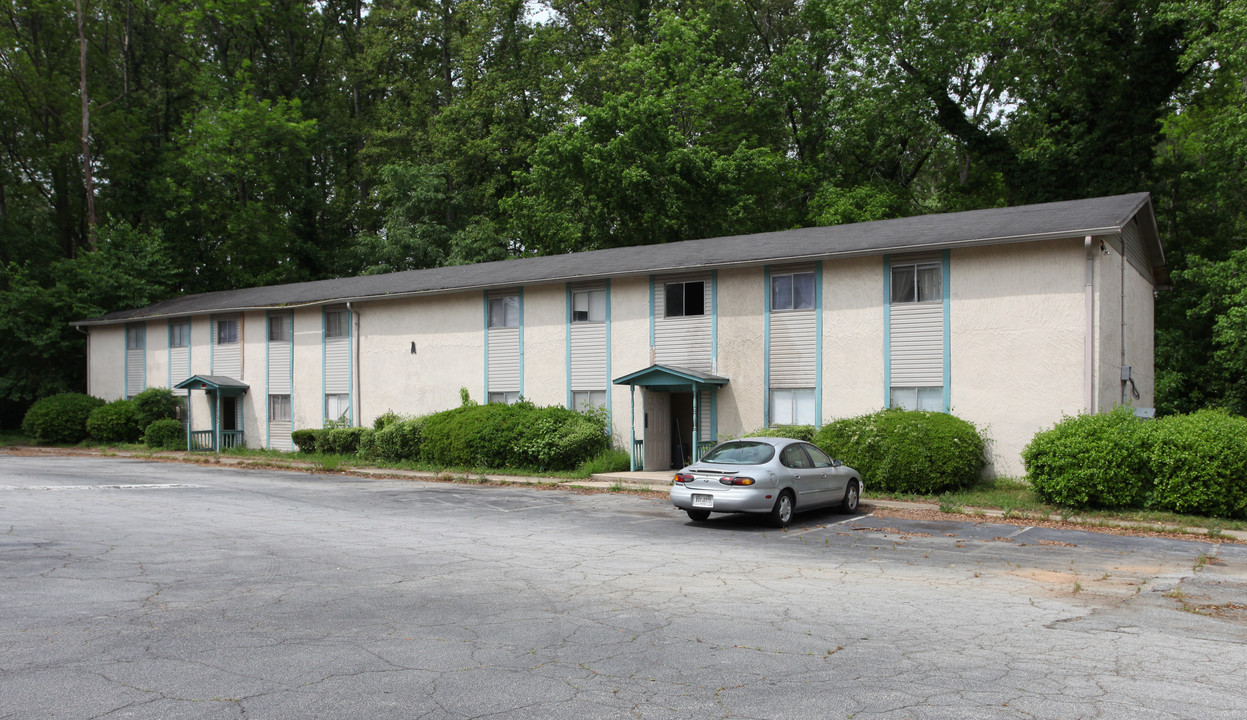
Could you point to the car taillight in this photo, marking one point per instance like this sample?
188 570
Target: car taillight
736 480
682 478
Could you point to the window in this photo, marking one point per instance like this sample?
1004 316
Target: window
792 406
819 458
278 328
588 306
180 333
504 311
792 292
335 323
588 399
134 338
226 332
279 408
337 407
794 457
506 398
917 282
918 398
685 299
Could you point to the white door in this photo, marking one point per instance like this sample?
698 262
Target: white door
657 424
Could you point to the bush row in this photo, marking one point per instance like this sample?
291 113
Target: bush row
520 435
74 417
1193 463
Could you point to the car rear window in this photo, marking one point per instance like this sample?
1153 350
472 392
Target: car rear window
740 453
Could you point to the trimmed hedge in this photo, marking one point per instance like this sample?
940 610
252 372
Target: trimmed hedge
341 441
907 450
166 434
518 435
307 440
60 418
1090 461
114 422
154 404
798 432
395 442
1198 463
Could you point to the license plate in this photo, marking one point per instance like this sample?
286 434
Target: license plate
703 501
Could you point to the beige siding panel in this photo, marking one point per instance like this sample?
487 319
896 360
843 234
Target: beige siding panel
687 341
227 359
337 366
135 371
588 352
504 359
793 349
179 364
917 344
1133 244
705 415
279 436
279 359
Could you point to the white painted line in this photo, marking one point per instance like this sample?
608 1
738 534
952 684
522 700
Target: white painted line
1019 532
153 486
531 507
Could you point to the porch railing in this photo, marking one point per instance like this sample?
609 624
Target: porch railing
638 454
205 440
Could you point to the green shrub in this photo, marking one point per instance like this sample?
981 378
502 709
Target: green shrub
1090 461
155 404
396 442
518 435
114 422
60 418
166 434
341 441
1198 463
555 438
386 419
607 461
799 432
308 441
907 450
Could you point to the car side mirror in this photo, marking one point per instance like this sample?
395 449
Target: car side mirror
836 463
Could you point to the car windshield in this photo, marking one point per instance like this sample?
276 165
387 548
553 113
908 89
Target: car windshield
740 453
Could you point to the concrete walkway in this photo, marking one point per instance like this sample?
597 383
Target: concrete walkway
627 481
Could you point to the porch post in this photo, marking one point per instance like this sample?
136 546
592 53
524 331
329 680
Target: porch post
696 414
189 420
216 425
632 448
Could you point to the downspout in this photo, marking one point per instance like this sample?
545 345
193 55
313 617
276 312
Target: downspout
1088 371
357 386
1122 306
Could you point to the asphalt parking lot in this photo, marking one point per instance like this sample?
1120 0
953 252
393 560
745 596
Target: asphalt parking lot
132 589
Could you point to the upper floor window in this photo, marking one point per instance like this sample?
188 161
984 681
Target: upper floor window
504 312
279 328
794 291
134 338
506 398
335 323
685 299
588 306
180 333
226 331
917 282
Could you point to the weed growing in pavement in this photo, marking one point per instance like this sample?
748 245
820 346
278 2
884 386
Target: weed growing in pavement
1077 587
948 505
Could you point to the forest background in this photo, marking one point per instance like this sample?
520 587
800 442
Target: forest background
232 143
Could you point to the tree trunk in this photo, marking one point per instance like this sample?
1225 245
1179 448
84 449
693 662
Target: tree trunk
88 179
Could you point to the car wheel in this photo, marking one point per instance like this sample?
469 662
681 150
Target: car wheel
852 494
697 515
781 514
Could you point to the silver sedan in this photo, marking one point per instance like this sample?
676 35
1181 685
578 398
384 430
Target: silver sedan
771 476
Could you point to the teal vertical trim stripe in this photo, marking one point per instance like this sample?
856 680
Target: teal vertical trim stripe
268 391
291 321
651 312
568 345
609 388
818 343
887 331
948 354
766 346
714 320
521 299
485 295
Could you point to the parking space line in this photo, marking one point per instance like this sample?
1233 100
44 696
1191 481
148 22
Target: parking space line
1019 532
825 527
531 507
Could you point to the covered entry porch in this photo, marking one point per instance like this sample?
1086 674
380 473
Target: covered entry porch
678 407
225 411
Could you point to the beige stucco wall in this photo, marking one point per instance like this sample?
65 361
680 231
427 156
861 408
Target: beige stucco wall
1017 319
106 362
852 337
741 349
630 351
1125 329
200 364
307 395
1141 336
545 344
254 410
157 353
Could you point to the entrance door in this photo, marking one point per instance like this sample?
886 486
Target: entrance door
681 429
229 413
657 407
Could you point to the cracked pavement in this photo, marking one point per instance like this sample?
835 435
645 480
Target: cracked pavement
131 589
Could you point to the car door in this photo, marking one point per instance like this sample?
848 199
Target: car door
805 480
831 476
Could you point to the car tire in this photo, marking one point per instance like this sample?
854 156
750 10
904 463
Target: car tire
698 515
852 496
781 514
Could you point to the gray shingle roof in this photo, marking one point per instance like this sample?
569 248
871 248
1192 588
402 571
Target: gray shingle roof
1073 218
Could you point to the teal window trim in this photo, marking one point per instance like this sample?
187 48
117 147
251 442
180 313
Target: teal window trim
887 331
609 388
520 295
485 296
818 343
568 345
948 357
766 346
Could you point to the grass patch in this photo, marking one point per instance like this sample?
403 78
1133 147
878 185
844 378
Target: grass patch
13 438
